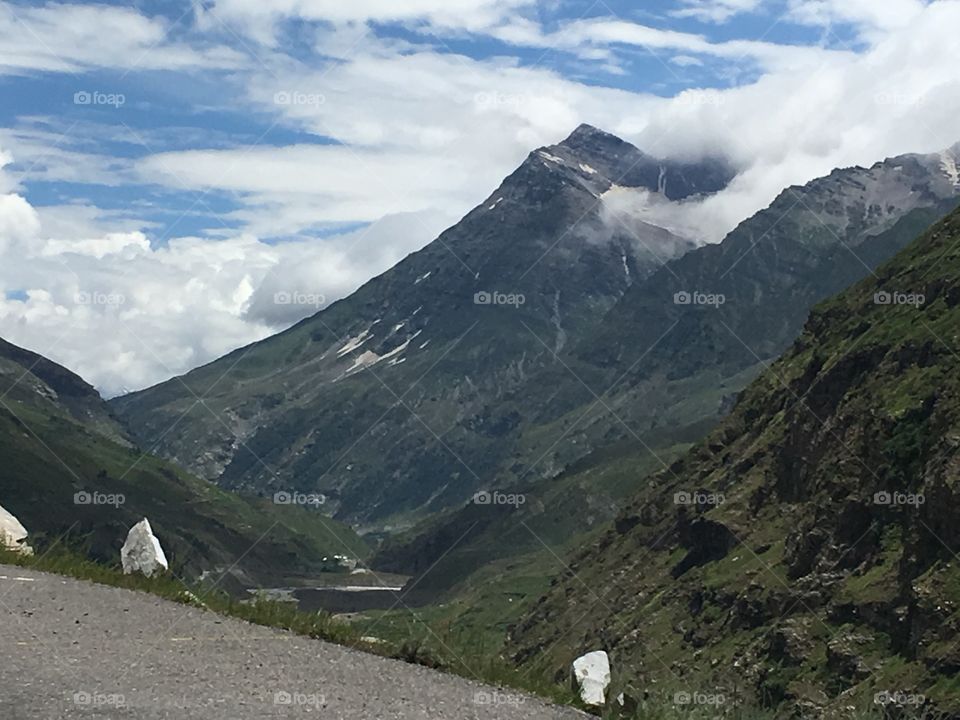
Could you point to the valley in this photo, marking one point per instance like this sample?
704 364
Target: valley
479 359
450 470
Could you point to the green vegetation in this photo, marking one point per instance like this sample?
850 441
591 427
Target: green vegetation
71 477
462 655
511 413
829 572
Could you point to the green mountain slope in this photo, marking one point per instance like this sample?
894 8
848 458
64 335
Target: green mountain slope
408 396
68 473
815 565
671 371
404 399
666 365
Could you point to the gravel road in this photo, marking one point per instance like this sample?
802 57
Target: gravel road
71 649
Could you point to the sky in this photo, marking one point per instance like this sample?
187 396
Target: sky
181 178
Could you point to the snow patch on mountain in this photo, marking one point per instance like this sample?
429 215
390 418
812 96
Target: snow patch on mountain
552 158
561 339
950 165
364 360
354 343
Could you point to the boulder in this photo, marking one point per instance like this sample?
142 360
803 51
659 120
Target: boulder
591 677
13 535
142 552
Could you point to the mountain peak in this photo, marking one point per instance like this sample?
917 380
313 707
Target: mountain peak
588 143
588 133
604 160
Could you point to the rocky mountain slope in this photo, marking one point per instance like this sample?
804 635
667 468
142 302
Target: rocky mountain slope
676 346
410 395
657 372
70 475
804 555
535 333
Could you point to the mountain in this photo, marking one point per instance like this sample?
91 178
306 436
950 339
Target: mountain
662 361
806 551
434 381
406 397
38 379
70 474
654 375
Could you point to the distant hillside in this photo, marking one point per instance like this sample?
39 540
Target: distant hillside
70 475
806 551
655 375
411 394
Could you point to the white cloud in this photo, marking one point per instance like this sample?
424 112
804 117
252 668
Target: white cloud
584 36
18 220
414 132
871 17
789 127
126 315
686 61
74 38
258 18
97 247
717 11
420 137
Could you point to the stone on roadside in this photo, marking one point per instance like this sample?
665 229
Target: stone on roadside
142 552
591 677
13 535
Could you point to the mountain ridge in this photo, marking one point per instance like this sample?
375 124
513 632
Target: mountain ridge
672 370
72 477
805 552
535 260
420 389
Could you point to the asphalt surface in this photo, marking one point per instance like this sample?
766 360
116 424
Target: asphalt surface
71 649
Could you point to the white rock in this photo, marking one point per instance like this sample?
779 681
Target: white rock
13 535
591 675
142 552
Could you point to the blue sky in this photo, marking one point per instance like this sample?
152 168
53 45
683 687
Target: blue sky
197 158
167 111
